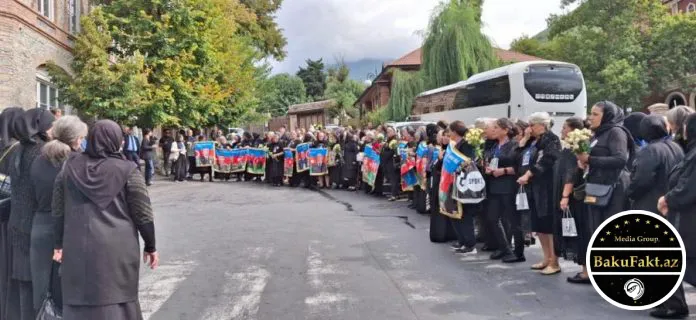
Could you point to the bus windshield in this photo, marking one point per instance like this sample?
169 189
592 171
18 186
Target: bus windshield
553 83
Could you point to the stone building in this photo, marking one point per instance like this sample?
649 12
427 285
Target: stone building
677 97
379 92
33 32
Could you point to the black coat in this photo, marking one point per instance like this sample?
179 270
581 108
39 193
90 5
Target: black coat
127 143
507 158
147 149
350 162
543 158
652 166
681 200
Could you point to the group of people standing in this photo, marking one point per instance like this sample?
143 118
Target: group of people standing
71 208
647 161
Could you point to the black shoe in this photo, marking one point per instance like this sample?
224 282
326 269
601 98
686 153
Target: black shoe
578 279
513 258
499 254
486 248
466 250
666 313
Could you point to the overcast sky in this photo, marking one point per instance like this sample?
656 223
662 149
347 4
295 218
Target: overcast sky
357 29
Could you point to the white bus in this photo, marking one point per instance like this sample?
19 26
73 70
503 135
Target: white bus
516 91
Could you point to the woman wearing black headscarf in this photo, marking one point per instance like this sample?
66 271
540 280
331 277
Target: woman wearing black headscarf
652 165
606 164
33 131
99 197
8 143
350 167
67 133
679 206
632 124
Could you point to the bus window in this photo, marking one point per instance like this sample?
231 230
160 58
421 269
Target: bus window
553 83
484 93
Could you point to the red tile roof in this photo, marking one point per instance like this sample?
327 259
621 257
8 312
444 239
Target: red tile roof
414 58
310 106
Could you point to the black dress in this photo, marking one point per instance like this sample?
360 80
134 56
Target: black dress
349 170
276 164
544 154
570 248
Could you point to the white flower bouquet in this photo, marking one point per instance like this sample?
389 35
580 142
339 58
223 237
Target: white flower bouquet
578 141
475 138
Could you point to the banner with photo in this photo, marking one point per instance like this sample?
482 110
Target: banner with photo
370 165
451 164
288 162
318 162
239 160
204 151
409 179
302 157
224 159
423 155
256 161
470 185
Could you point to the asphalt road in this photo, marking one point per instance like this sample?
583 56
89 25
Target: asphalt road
251 251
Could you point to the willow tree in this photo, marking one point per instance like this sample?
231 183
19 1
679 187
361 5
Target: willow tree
454 49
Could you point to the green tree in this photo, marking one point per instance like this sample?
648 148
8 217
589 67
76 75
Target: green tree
626 49
265 33
198 69
104 87
530 46
344 91
279 92
314 79
453 50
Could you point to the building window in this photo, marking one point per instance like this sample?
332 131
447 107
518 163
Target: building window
46 92
691 7
46 8
675 7
74 12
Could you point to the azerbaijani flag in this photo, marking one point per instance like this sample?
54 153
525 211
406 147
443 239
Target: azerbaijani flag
288 162
239 160
204 152
370 165
302 157
318 161
423 155
224 160
257 160
451 162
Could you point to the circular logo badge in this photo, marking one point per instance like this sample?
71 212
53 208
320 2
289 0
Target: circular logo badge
636 260
470 181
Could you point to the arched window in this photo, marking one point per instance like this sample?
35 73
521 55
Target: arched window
691 7
675 99
46 92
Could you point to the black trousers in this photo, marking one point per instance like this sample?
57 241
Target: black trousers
133 156
166 164
499 211
678 300
395 182
464 228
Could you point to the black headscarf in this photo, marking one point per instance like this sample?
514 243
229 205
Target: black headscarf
33 124
653 128
690 123
8 118
613 117
101 172
633 124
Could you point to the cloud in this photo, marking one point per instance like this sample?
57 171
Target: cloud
388 29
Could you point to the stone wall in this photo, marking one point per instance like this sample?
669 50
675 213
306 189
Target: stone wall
27 41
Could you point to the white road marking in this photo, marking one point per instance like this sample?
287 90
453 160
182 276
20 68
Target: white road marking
328 291
525 294
157 286
498 266
245 289
511 283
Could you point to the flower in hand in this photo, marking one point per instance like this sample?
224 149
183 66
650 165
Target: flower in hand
583 157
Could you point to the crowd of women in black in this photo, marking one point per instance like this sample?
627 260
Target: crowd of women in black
646 160
70 219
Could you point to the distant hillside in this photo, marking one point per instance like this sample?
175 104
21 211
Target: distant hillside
359 70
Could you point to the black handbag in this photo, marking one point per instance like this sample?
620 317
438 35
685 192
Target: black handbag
49 310
598 194
579 192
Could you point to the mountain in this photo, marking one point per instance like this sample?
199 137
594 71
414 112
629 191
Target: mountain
367 68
